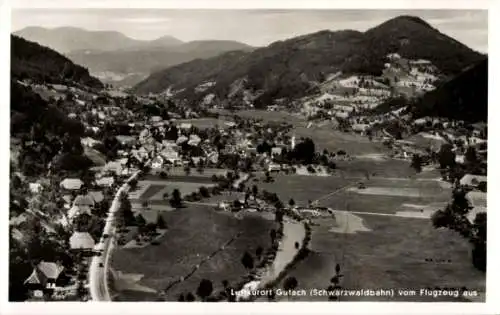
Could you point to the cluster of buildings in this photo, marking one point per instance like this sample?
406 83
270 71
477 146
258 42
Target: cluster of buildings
342 97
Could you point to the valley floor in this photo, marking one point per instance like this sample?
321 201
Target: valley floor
381 235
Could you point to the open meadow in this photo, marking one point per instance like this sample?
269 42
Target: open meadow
394 253
380 232
194 233
381 235
324 135
204 123
381 194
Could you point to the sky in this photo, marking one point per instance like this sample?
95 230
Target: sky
253 27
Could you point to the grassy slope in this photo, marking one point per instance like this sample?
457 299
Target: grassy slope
391 256
193 231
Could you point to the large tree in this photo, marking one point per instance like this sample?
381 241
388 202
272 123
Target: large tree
258 251
141 223
125 214
160 222
416 163
471 156
255 190
304 151
204 192
290 283
176 200
446 156
454 217
247 260
205 288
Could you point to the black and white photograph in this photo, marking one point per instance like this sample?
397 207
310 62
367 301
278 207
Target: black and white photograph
247 155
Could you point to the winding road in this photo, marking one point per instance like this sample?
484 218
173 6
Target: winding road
99 266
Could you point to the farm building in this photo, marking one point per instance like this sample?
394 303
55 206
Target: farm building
472 181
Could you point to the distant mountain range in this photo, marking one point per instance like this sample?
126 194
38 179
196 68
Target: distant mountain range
43 65
68 39
116 58
464 97
290 68
147 60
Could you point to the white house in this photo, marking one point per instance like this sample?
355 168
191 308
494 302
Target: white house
15 221
123 161
157 162
35 187
114 166
273 167
44 276
394 56
360 127
89 142
181 139
276 151
81 241
168 143
105 181
101 115
342 114
170 155
125 140
185 126
472 181
97 196
224 206
71 184
478 201
213 157
420 121
460 158
194 140
84 200
144 134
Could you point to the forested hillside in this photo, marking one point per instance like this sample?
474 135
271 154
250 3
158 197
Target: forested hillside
41 64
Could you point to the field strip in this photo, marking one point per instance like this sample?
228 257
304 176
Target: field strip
337 175
333 192
136 194
201 203
161 208
159 194
411 214
206 259
397 178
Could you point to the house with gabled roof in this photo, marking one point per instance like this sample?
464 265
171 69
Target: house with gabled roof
157 162
185 126
114 167
83 200
15 221
126 140
44 278
194 140
105 181
81 241
181 139
35 187
71 184
97 196
89 142
472 181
